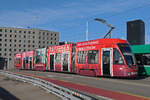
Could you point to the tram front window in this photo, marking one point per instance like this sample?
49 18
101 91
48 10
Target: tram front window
117 57
127 53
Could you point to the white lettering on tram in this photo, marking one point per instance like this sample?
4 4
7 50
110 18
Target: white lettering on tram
59 48
87 48
88 43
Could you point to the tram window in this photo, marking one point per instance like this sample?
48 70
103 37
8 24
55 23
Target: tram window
27 59
40 56
17 60
139 59
146 59
127 53
106 57
38 60
24 60
81 57
117 57
58 58
30 58
93 57
125 48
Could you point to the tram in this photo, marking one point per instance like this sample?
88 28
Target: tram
142 54
105 57
101 57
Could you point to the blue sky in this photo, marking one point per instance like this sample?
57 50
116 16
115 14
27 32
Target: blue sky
69 16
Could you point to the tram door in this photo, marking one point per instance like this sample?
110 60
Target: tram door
30 62
51 62
107 61
24 63
65 62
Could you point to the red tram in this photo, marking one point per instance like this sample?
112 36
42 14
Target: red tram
18 61
101 57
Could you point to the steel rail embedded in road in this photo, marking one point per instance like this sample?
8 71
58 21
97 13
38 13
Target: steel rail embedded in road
60 91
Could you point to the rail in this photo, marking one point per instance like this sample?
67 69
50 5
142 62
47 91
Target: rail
62 92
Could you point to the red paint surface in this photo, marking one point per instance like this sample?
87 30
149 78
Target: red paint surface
18 65
97 68
59 49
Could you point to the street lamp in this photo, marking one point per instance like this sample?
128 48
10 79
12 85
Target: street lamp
110 26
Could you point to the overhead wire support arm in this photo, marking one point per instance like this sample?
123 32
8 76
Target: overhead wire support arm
110 26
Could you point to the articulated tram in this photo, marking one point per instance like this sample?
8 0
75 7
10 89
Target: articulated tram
101 57
142 55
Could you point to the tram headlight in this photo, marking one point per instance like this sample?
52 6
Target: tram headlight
132 73
121 68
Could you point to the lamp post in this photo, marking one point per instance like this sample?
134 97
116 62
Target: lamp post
110 26
87 30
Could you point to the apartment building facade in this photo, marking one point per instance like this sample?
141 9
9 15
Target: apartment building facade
15 40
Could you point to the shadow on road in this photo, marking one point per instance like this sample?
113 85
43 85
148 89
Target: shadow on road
139 77
127 78
5 95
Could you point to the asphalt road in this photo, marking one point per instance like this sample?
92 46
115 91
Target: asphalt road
137 86
11 89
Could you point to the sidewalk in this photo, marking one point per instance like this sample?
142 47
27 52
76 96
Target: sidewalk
11 89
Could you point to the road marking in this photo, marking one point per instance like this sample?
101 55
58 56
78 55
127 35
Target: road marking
104 97
129 83
133 95
50 76
111 80
116 81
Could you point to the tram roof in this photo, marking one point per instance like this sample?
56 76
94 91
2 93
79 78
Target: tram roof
101 41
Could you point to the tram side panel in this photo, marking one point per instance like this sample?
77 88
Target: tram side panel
30 60
24 61
40 59
53 64
87 59
97 57
18 61
60 58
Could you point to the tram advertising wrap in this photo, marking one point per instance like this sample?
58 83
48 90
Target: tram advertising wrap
40 57
101 57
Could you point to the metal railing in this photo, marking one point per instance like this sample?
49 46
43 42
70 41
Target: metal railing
62 92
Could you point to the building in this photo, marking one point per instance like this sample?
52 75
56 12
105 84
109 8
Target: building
136 32
15 40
